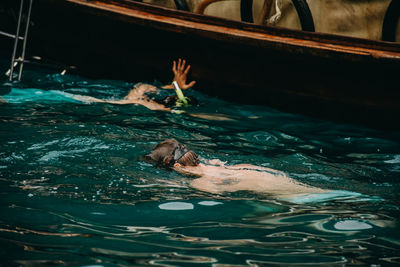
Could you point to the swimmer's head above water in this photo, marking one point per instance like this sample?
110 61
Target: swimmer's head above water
173 101
170 153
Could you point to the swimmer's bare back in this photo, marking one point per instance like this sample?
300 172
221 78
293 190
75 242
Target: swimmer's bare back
244 177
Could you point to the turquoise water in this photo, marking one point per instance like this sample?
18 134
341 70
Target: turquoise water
76 191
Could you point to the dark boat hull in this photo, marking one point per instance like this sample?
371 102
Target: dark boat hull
338 78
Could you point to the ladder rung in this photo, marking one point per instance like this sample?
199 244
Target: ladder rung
20 60
10 35
37 61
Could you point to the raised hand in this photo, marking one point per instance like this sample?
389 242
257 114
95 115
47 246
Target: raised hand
180 74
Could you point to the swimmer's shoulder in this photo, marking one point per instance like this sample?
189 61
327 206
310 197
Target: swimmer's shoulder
139 91
145 87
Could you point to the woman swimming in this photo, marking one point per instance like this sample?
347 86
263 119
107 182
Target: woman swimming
138 95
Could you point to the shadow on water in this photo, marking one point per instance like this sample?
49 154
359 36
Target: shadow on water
75 189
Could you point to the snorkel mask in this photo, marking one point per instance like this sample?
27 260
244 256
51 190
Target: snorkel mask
178 153
169 152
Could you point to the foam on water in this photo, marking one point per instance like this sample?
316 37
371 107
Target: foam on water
322 197
176 206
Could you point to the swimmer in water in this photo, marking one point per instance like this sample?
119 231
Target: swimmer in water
214 176
138 94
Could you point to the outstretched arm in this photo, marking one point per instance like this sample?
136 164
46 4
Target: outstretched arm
180 71
136 96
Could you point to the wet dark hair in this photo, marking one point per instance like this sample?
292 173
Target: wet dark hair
170 101
171 151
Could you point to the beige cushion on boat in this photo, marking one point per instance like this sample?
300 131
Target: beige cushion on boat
350 17
357 18
343 17
229 9
164 3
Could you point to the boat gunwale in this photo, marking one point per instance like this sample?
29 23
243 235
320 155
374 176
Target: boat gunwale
331 39
229 31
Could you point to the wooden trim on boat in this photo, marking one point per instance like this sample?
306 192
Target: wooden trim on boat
317 44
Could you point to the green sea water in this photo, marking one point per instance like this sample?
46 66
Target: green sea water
75 190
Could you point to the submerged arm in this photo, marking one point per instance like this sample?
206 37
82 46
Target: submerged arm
136 96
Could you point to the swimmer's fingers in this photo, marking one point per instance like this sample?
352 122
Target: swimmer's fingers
179 64
187 70
174 69
191 84
183 65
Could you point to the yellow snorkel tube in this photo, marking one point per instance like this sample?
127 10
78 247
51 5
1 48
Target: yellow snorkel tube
182 100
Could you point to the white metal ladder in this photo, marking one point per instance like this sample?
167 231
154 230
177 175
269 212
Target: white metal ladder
17 37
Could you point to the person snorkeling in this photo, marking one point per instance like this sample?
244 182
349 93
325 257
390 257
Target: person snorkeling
138 95
214 176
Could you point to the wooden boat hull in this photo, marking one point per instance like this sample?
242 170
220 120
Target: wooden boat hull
326 76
